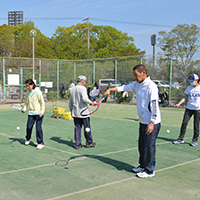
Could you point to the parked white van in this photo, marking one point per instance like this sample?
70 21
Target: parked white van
111 82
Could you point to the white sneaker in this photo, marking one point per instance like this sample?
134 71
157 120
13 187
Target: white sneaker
194 144
178 142
40 146
145 175
27 142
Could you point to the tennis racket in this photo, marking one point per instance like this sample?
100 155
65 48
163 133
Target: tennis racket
174 106
63 163
17 106
92 109
94 93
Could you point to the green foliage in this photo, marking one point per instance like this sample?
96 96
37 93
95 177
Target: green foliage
177 95
6 38
184 40
120 97
52 95
67 42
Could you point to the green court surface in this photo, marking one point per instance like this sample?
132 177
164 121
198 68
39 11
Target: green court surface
103 172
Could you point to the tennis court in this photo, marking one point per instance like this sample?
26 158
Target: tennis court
103 172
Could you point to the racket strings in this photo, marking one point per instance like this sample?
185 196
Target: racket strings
90 109
94 93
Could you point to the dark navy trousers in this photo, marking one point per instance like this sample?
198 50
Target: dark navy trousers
147 147
187 115
79 122
39 133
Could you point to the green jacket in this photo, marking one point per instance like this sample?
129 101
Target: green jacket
34 102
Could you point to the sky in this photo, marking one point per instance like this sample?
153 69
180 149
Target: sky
138 18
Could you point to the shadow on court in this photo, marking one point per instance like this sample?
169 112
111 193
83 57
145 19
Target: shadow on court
21 141
166 139
61 141
133 119
115 163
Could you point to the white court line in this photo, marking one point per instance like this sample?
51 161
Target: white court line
126 179
132 120
45 146
24 169
78 155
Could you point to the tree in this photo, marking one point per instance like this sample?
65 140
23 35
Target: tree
107 41
182 41
6 40
67 42
23 40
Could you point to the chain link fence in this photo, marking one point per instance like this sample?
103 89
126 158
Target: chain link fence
169 71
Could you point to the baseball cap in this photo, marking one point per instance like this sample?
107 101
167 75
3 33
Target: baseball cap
193 77
81 78
71 81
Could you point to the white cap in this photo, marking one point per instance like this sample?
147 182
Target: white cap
81 78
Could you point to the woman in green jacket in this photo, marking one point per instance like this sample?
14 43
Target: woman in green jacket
35 105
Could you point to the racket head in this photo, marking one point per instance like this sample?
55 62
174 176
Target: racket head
174 106
94 93
62 163
89 110
17 106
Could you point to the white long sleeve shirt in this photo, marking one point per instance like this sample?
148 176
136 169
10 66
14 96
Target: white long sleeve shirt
146 93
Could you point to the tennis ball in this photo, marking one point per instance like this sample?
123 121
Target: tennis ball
168 131
87 129
18 128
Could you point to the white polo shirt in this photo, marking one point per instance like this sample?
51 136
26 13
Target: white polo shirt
146 92
193 97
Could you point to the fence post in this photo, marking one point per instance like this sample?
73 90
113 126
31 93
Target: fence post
4 82
170 80
74 71
57 79
40 65
21 84
115 76
141 60
93 72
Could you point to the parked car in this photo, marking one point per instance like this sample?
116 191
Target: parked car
111 82
160 83
174 84
177 85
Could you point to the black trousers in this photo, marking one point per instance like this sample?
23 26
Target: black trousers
79 122
187 115
147 147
